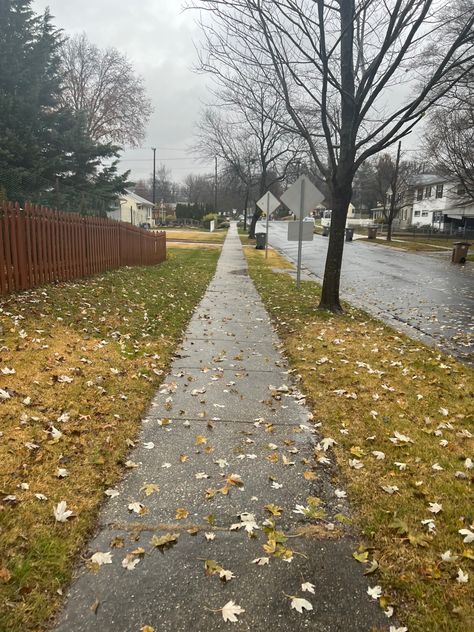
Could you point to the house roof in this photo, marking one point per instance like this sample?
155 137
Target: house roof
138 199
425 179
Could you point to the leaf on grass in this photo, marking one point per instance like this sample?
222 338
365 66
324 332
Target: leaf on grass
61 513
5 575
419 539
372 568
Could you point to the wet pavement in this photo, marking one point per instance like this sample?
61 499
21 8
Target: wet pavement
423 295
227 444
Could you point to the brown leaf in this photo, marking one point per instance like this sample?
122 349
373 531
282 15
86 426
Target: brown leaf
181 513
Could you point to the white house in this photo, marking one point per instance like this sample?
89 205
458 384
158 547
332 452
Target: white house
432 200
130 207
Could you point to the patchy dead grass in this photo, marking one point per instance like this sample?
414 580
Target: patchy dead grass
196 235
274 259
365 382
192 245
88 356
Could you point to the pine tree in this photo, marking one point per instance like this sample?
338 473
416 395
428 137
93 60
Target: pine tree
29 91
46 155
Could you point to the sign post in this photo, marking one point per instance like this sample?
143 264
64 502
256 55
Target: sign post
268 203
301 198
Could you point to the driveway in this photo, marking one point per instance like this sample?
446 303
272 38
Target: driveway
423 295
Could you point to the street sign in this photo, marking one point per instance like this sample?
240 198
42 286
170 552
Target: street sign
302 197
268 203
294 231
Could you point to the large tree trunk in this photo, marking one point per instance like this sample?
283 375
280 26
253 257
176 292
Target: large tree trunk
256 216
332 272
389 228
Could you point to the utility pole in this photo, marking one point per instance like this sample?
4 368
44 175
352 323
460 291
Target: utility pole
394 188
154 175
215 184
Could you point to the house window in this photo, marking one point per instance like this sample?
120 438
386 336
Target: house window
424 213
417 213
439 190
461 190
427 192
419 194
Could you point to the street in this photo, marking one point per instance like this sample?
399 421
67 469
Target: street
425 296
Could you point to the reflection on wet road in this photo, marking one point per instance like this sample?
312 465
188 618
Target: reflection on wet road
425 296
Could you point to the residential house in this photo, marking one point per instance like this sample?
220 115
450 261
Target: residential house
433 200
130 207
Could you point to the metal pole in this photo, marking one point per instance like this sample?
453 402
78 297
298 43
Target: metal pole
154 175
268 217
215 186
300 236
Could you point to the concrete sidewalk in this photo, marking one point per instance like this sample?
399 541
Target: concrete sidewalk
223 418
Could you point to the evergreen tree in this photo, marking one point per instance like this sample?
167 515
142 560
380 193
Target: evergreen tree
46 155
29 88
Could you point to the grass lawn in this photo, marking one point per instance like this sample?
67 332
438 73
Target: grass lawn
194 235
402 417
87 358
419 244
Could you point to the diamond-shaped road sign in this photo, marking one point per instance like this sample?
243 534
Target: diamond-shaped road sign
302 196
268 203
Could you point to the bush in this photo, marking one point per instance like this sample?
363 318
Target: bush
207 219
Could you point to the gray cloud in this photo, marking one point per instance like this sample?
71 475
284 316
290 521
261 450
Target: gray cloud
157 36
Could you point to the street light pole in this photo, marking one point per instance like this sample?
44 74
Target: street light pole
215 185
154 175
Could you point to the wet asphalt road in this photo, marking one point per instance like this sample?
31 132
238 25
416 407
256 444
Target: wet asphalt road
423 295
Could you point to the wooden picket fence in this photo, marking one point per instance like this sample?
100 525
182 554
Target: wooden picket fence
39 245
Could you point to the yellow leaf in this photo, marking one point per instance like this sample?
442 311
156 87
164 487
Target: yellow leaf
310 475
275 510
149 489
200 440
363 557
181 513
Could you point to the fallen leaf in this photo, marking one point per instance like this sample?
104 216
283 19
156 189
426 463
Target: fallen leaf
299 604
230 611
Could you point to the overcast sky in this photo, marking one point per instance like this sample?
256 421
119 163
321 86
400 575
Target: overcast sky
158 38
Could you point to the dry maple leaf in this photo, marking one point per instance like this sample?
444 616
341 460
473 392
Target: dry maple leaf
300 604
230 611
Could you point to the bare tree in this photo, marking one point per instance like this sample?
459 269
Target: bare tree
449 141
335 64
102 84
247 133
